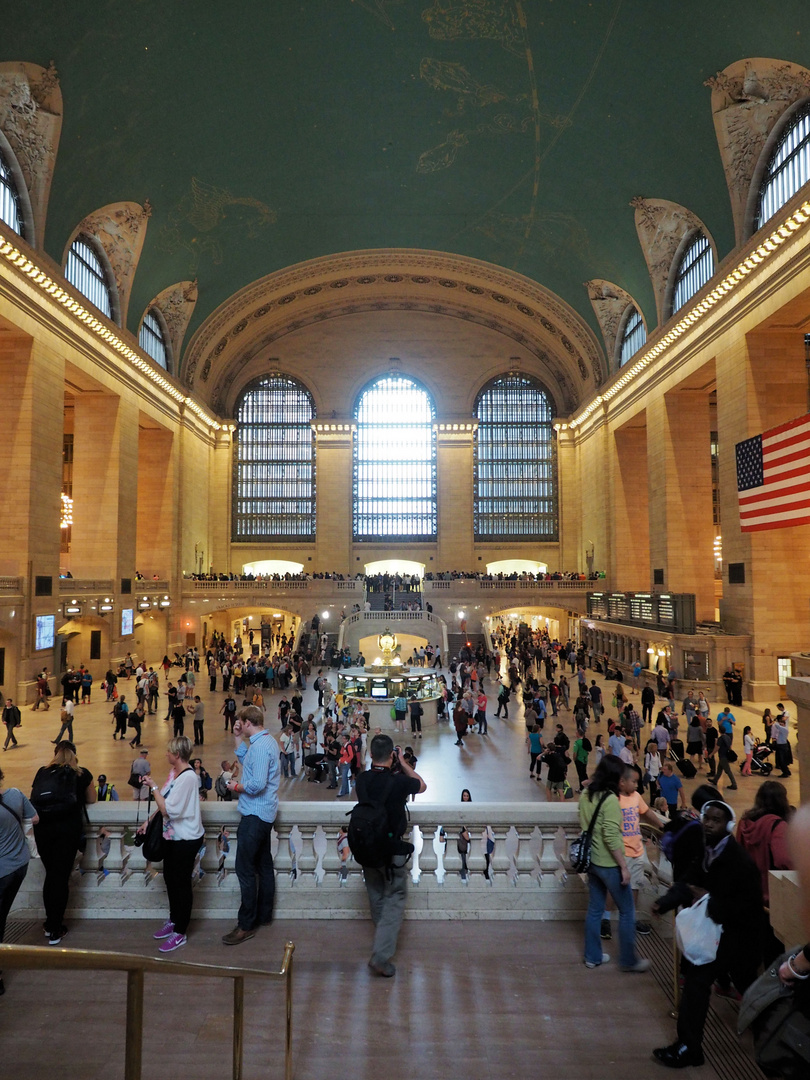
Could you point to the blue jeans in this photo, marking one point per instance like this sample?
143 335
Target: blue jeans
345 773
601 881
254 871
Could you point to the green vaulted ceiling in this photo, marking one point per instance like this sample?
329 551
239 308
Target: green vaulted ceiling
268 132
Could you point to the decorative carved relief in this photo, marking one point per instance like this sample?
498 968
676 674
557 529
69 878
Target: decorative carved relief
31 120
748 98
176 304
609 303
368 278
120 228
661 226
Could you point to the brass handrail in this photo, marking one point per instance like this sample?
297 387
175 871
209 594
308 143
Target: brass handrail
35 958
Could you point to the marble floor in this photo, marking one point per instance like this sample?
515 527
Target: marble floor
494 768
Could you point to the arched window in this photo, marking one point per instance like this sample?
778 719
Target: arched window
694 270
84 270
515 466
394 462
633 335
10 209
788 168
274 462
152 338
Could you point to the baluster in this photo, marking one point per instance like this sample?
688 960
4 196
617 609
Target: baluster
305 857
283 857
320 847
429 861
88 861
439 852
511 848
549 862
418 843
111 863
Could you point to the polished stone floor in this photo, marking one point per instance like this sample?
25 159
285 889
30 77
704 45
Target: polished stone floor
494 768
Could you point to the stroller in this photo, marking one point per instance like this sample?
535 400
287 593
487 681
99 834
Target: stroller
759 762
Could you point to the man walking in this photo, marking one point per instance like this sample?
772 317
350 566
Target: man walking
386 885
257 789
11 718
197 710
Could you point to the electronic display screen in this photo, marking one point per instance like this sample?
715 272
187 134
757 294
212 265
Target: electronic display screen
44 632
126 621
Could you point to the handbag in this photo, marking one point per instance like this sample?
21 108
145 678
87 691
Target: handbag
732 756
779 1018
134 780
579 851
152 841
698 935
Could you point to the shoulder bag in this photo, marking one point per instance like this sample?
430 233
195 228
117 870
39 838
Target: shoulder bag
579 852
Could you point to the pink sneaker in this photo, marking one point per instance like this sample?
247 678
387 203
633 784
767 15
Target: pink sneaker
165 931
173 942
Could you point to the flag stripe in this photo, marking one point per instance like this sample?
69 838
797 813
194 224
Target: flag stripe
773 477
785 493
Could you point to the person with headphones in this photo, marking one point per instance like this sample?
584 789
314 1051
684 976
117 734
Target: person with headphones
730 877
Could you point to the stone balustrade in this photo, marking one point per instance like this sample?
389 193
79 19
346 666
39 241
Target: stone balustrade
528 878
11 586
75 586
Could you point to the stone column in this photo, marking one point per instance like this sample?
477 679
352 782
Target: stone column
454 494
333 449
630 524
680 496
156 494
798 690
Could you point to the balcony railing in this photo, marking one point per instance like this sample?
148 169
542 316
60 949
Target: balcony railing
12 586
315 587
74 586
527 880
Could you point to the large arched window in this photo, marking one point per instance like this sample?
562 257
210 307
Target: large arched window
274 462
85 271
10 208
694 270
153 338
788 168
394 462
515 467
633 335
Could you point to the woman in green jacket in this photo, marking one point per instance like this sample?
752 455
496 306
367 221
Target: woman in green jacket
608 871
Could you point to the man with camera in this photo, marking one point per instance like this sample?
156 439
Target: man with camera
389 782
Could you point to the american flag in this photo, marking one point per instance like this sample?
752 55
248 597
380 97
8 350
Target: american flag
773 477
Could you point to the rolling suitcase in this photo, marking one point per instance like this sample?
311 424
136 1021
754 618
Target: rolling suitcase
677 749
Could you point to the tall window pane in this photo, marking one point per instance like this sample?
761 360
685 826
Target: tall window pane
274 462
85 272
10 211
394 462
634 335
515 465
694 270
788 169
152 339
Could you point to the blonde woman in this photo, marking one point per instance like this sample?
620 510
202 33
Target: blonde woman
179 803
60 793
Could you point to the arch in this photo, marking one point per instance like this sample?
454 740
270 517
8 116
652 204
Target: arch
236 339
20 192
514 472
781 131
273 491
692 268
610 304
154 337
631 337
394 461
88 270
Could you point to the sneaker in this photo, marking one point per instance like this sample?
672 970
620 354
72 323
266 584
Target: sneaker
643 928
174 941
386 970
56 936
605 960
165 931
604 932
638 967
678 1056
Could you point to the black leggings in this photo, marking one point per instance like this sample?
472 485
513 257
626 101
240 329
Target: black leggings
57 845
178 862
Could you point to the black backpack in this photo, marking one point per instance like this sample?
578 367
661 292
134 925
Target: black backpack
221 788
371 841
55 793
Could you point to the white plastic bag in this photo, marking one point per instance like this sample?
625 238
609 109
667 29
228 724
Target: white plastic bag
698 935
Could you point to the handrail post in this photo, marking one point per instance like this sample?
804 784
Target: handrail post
238 1025
133 1051
288 994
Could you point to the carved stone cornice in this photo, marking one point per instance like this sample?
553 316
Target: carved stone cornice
609 303
31 121
662 226
748 99
402 279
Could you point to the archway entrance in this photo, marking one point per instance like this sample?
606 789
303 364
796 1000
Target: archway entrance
395 566
517 566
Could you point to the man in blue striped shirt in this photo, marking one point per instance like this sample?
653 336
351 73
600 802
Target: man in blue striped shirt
257 789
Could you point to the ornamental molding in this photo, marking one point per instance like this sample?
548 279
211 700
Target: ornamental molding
120 229
176 304
749 98
609 302
31 121
403 279
662 226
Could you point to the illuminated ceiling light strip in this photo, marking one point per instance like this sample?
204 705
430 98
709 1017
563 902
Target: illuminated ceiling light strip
48 285
764 251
